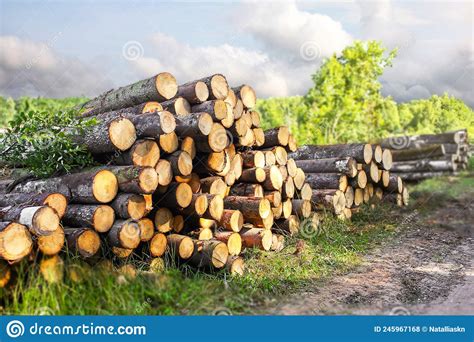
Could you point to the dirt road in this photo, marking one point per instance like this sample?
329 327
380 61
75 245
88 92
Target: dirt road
426 269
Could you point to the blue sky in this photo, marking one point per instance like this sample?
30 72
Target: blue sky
67 48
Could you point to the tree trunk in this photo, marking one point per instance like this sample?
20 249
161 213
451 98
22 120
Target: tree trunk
145 152
129 206
180 246
235 265
346 166
178 106
256 238
41 220
417 141
51 244
124 234
247 95
327 181
217 109
273 178
289 226
362 153
231 239
231 220
247 189
276 137
423 165
194 92
157 245
253 159
251 207
178 195
181 163
209 254
164 172
253 175
425 152
83 241
194 125
57 201
157 88
359 181
168 142
136 179
331 199
216 141
301 208
15 242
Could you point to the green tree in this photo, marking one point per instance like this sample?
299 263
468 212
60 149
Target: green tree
346 100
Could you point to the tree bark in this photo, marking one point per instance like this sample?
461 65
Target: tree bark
124 234
41 220
83 241
129 206
256 238
425 152
362 153
327 181
178 106
194 92
161 87
57 201
346 166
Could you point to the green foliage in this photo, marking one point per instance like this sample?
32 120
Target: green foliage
346 105
42 142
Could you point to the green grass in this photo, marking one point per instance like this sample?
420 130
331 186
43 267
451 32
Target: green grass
336 249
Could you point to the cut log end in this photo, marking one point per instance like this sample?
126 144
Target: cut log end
15 241
148 180
151 106
158 245
167 121
51 244
122 134
184 195
146 153
164 172
146 229
45 221
58 202
387 161
88 243
104 186
201 91
166 85
368 153
219 87
129 235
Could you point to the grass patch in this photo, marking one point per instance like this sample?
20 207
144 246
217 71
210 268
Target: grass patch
336 248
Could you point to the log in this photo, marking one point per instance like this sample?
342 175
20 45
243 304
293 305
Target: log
253 159
273 178
178 105
359 181
108 135
387 159
259 136
377 153
281 156
362 153
144 152
152 125
358 196
199 205
180 246
41 220
215 208
136 179
194 92
235 265
217 86
291 167
256 122
301 208
157 245
247 189
247 95
168 142
274 197
276 137
147 228
231 239
372 170
231 220
181 163
292 144
124 234
259 222
349 196
306 192
289 226
15 242
163 219
57 201
142 108
217 109
395 184
188 145
253 175
346 166
270 158
288 189
209 254
327 181
251 207
178 195
82 241
278 243
417 141
99 217
425 152
332 199
299 179
51 244
129 206
287 208
157 88
164 171
216 141
423 165
194 125
214 185
256 238
418 176
122 253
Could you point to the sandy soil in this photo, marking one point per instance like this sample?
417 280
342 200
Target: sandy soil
427 269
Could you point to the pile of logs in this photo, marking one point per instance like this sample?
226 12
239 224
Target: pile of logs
345 176
183 172
429 155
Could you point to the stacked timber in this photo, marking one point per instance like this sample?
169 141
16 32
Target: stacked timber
424 156
183 171
345 176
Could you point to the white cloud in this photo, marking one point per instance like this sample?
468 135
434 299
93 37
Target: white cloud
34 69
